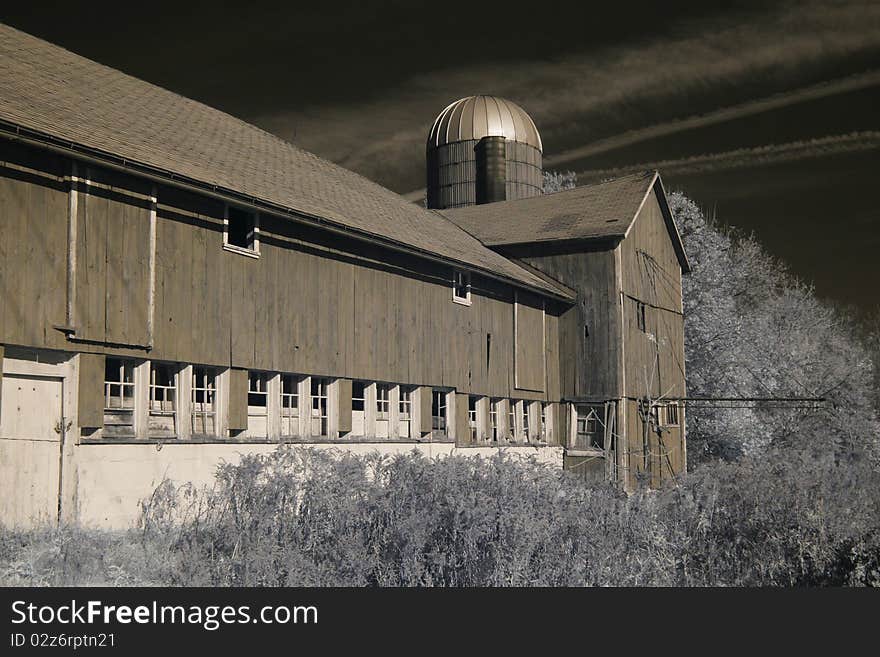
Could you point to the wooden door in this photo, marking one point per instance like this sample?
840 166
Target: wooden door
31 431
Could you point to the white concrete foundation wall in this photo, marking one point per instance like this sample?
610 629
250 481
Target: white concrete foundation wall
113 480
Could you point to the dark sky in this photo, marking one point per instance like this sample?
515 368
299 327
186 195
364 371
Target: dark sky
765 112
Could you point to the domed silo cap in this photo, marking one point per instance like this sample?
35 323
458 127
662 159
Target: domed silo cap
475 117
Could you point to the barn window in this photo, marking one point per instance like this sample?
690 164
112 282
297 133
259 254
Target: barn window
358 407
404 408
472 417
163 400
672 415
204 401
438 410
258 404
119 398
523 410
119 384
640 316
319 406
495 432
241 231
545 434
289 404
590 427
383 405
461 287
511 419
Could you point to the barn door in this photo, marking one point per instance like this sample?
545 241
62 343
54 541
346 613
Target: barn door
31 433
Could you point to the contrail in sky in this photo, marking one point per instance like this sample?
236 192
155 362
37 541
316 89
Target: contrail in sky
749 108
748 157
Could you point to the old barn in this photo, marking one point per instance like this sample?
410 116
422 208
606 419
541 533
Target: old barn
179 287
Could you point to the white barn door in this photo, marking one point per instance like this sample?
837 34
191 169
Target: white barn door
30 450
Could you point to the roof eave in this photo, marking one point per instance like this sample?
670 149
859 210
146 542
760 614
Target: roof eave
16 132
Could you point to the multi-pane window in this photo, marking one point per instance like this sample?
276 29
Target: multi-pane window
289 405
358 395
472 417
672 415
438 410
461 287
590 428
319 406
118 384
358 408
524 406
258 404
204 401
118 398
404 408
544 433
383 405
163 400
493 419
511 420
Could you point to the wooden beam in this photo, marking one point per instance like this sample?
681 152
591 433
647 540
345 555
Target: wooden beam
341 410
90 398
421 405
238 398
460 420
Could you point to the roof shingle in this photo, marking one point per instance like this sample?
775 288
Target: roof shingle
51 91
603 210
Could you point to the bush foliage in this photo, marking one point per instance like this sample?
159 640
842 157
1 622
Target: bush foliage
316 518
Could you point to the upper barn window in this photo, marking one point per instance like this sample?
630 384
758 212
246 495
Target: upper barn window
241 231
461 287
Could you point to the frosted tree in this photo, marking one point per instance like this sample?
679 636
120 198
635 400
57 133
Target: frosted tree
754 330
556 181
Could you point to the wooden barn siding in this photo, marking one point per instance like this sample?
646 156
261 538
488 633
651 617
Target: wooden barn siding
593 370
651 273
33 247
314 302
112 273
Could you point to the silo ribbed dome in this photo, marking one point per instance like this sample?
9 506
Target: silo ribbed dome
481 116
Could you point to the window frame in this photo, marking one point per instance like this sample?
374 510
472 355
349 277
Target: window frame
254 250
383 402
439 397
676 422
212 390
465 283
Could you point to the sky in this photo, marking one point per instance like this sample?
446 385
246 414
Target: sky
766 113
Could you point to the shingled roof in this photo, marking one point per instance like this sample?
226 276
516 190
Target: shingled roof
91 108
601 211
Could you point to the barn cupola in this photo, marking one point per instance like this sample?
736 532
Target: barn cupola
482 149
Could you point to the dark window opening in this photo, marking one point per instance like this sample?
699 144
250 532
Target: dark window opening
461 286
241 230
358 393
640 317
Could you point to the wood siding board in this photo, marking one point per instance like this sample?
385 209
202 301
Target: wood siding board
90 395
238 398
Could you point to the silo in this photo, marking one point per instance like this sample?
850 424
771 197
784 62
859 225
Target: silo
465 148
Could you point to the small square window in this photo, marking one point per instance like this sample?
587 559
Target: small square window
241 230
461 287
